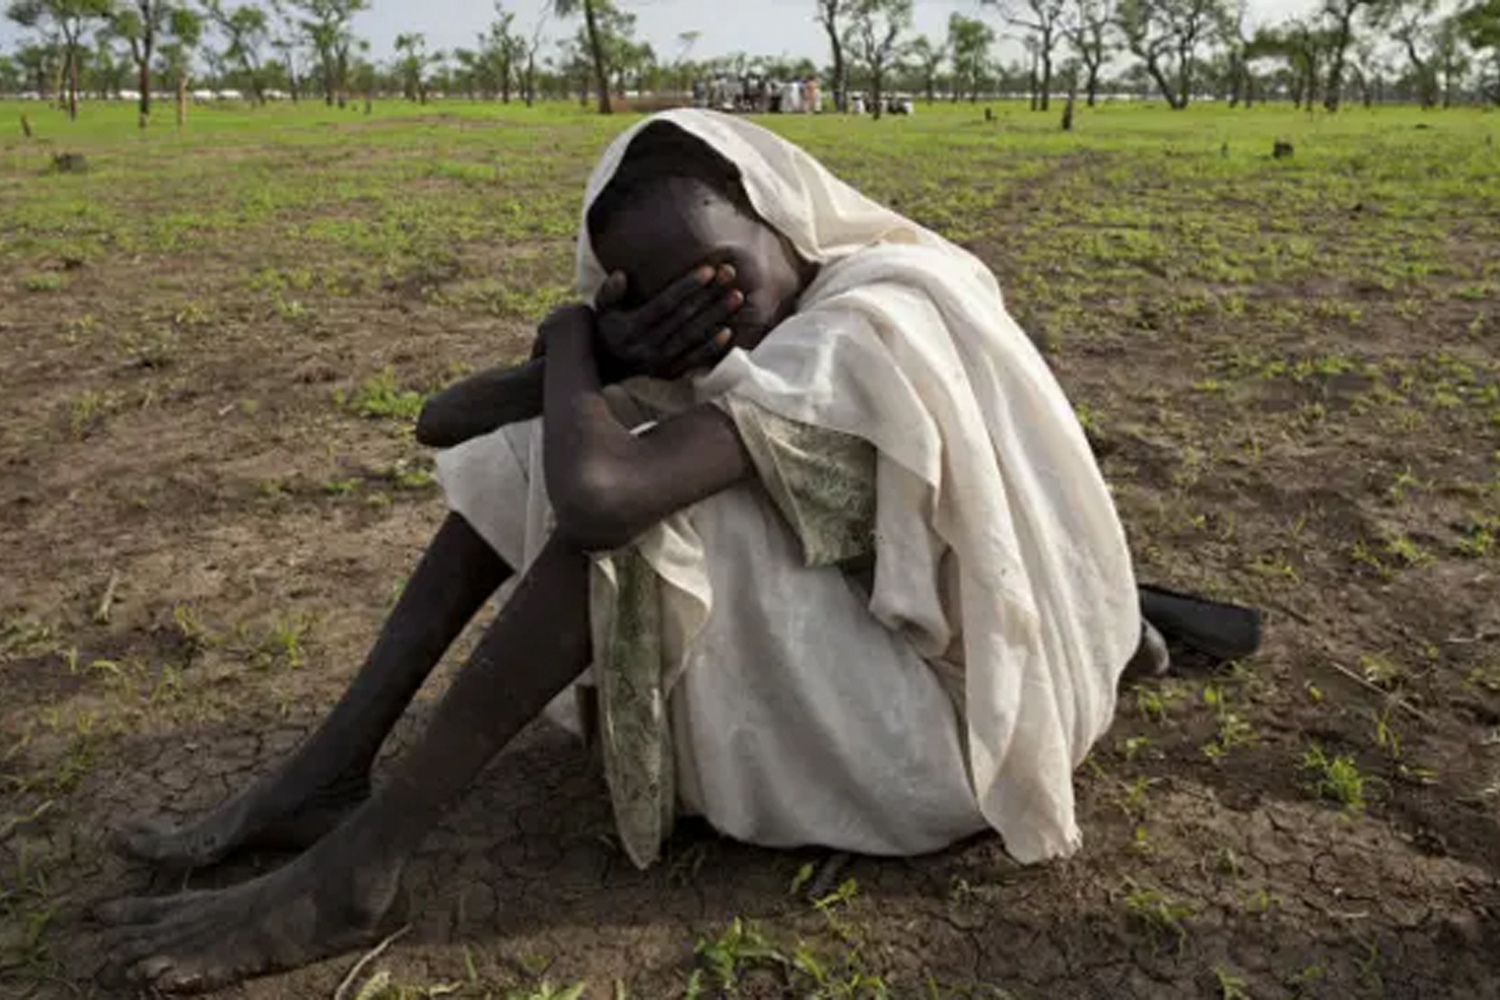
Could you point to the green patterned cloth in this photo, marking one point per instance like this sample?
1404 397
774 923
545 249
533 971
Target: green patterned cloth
823 483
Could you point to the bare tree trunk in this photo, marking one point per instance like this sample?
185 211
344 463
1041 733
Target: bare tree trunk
1046 79
144 77
73 83
1154 69
181 98
596 48
1336 71
840 74
1092 87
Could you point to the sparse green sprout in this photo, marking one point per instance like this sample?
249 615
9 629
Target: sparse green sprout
1381 672
1231 987
379 397
741 948
803 876
282 642
1405 551
1153 701
1478 538
1386 737
1158 914
1233 730
546 991
48 281
1336 778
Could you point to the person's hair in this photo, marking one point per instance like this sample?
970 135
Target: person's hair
659 154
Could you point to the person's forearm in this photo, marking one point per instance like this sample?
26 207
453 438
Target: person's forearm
587 452
482 403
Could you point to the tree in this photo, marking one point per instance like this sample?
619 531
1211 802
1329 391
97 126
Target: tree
38 64
1479 26
68 19
969 41
874 35
12 75
1238 43
108 71
592 10
185 32
413 61
528 53
501 51
832 15
1340 17
142 23
930 57
1043 22
1165 35
1089 29
1304 46
246 31
327 26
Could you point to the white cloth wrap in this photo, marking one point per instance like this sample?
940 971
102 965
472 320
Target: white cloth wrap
997 547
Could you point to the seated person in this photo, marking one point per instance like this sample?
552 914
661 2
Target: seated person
795 520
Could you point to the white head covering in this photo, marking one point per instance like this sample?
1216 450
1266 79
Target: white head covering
997 542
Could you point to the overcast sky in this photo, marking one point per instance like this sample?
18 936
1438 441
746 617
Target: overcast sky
758 27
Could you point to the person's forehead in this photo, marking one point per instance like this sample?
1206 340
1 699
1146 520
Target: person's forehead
655 240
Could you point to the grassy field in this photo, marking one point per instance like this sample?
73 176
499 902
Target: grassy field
212 346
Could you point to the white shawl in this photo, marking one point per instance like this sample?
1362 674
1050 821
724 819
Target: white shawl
997 541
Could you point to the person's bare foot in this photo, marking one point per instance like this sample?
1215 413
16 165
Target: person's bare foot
276 813
326 902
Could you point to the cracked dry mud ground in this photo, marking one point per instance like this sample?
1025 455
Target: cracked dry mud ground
1308 437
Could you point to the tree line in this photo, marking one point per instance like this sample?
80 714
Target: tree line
1178 50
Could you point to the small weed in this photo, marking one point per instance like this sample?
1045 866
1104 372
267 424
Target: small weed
45 282
1369 968
1336 778
1304 983
1386 737
1404 550
546 991
26 637
1153 702
1158 914
1478 538
282 643
1381 672
1261 901
1230 986
1132 801
1486 675
89 410
741 948
379 397
1233 730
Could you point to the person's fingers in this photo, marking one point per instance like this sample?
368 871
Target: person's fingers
705 355
692 333
612 292
654 312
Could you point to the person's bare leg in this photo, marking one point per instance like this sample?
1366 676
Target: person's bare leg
329 774
334 897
